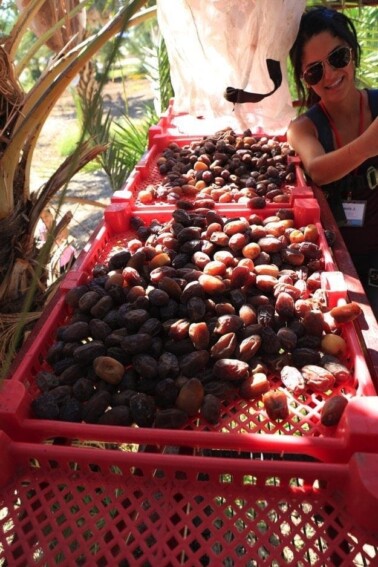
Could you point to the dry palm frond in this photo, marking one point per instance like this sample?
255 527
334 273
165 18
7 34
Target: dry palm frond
83 155
9 86
11 98
50 14
9 328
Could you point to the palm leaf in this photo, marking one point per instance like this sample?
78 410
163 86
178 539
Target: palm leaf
41 99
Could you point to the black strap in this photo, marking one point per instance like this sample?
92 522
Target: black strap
239 96
373 101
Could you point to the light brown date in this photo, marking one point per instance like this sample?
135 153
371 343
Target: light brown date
276 406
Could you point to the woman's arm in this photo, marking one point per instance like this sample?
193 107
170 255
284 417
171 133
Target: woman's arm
324 167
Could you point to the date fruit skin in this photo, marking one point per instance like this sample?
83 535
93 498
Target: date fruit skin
224 347
96 406
332 410
190 397
317 378
333 344
170 418
211 408
108 369
345 313
143 409
341 373
254 386
292 379
118 415
230 369
276 406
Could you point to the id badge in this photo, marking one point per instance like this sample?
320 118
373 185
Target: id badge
354 212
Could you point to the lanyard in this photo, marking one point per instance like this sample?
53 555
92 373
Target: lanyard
336 133
333 125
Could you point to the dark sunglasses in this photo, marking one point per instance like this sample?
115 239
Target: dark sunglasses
338 59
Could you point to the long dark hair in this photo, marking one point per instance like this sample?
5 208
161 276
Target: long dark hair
314 21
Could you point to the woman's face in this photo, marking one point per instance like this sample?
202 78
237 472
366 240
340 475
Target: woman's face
334 82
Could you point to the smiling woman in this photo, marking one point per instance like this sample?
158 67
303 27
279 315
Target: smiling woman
339 58
336 138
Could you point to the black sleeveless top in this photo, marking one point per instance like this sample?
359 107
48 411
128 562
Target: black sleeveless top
358 239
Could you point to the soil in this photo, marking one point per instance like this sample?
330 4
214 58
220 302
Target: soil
92 188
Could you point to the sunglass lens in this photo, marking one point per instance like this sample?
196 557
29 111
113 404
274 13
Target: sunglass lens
340 57
313 74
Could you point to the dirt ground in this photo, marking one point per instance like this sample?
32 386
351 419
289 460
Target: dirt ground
89 186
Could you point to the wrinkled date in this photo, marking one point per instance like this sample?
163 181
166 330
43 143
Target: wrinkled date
193 313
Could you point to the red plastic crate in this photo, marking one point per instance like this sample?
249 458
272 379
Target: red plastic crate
87 506
183 124
146 173
116 222
180 124
243 425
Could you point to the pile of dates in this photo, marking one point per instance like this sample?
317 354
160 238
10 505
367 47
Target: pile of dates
224 168
192 314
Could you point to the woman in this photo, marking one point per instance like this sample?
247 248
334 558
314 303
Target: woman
337 138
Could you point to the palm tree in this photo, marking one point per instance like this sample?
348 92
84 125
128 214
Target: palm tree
22 116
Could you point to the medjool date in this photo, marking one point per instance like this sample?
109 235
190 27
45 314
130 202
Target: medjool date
146 366
224 347
96 406
292 379
332 410
71 374
143 410
254 386
98 329
166 393
211 408
45 406
83 389
108 369
230 369
276 406
194 363
199 335
75 332
102 307
136 343
71 410
119 415
190 397
170 418
85 354
47 380
88 300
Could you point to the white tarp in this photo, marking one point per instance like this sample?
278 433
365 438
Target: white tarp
217 44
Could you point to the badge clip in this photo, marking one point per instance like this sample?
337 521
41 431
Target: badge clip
372 177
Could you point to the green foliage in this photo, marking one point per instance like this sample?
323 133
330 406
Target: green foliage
166 89
127 143
147 44
8 14
366 22
126 139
